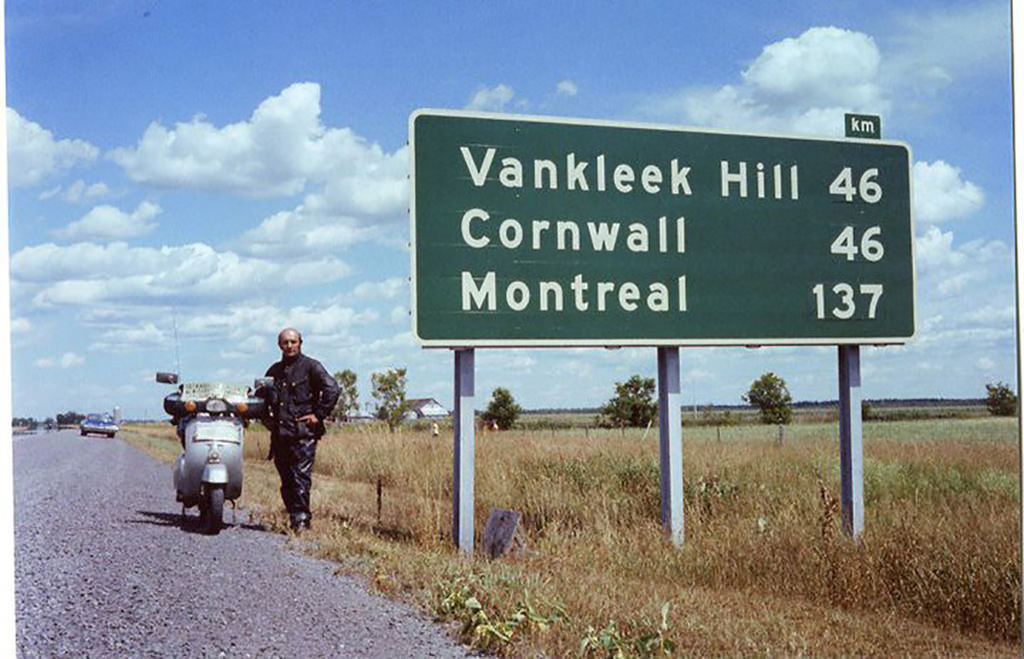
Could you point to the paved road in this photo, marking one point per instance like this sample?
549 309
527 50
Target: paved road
103 569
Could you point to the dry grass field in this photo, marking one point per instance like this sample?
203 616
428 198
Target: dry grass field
764 570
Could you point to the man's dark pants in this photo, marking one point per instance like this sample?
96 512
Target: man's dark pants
294 461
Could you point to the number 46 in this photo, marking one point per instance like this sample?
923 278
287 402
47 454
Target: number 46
871 248
869 190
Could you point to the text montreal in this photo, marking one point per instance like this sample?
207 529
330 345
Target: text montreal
481 293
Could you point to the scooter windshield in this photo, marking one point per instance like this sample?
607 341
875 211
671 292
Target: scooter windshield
214 429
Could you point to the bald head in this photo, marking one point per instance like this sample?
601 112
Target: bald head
290 342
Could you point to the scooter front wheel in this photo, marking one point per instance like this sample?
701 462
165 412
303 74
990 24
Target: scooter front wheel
211 516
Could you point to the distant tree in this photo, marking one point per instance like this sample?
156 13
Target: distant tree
1001 400
348 401
69 418
389 392
502 409
633 404
769 394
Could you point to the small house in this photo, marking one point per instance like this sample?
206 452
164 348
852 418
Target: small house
424 408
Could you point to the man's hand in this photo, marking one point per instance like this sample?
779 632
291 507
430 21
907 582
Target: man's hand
309 419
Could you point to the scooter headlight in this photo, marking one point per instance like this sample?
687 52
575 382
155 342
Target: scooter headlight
213 457
216 405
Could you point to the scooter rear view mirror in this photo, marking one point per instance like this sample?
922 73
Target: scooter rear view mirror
166 378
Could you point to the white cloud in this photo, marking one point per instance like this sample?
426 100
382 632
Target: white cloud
247 328
936 256
491 98
806 83
360 179
248 347
21 325
80 191
326 269
50 193
130 337
236 323
400 316
48 262
266 156
91 191
388 289
797 85
70 359
233 331
350 184
991 314
45 362
387 352
280 150
965 296
111 223
921 59
940 194
933 251
303 232
823 67
567 88
77 192
33 154
87 273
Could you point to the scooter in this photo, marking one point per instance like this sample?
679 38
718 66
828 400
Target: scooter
211 418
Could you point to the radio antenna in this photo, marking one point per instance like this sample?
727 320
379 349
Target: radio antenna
177 357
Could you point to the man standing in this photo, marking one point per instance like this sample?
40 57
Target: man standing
305 393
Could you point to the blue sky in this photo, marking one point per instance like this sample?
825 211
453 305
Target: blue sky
187 178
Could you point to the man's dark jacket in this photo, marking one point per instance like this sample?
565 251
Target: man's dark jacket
301 386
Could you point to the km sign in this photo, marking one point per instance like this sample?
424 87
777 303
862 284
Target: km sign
529 231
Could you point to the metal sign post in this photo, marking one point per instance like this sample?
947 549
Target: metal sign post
670 429
851 460
464 448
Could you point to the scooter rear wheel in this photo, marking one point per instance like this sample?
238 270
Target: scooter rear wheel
212 515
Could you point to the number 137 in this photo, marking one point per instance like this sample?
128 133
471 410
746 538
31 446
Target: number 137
846 305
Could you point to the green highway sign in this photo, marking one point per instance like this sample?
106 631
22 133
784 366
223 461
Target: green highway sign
531 231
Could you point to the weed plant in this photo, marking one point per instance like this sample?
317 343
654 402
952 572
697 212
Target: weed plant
765 567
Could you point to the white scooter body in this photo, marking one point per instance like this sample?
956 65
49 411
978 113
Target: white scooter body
211 419
213 456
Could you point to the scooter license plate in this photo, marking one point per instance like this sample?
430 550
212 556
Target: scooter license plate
204 390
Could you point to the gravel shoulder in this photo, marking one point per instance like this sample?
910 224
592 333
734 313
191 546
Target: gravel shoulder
104 568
